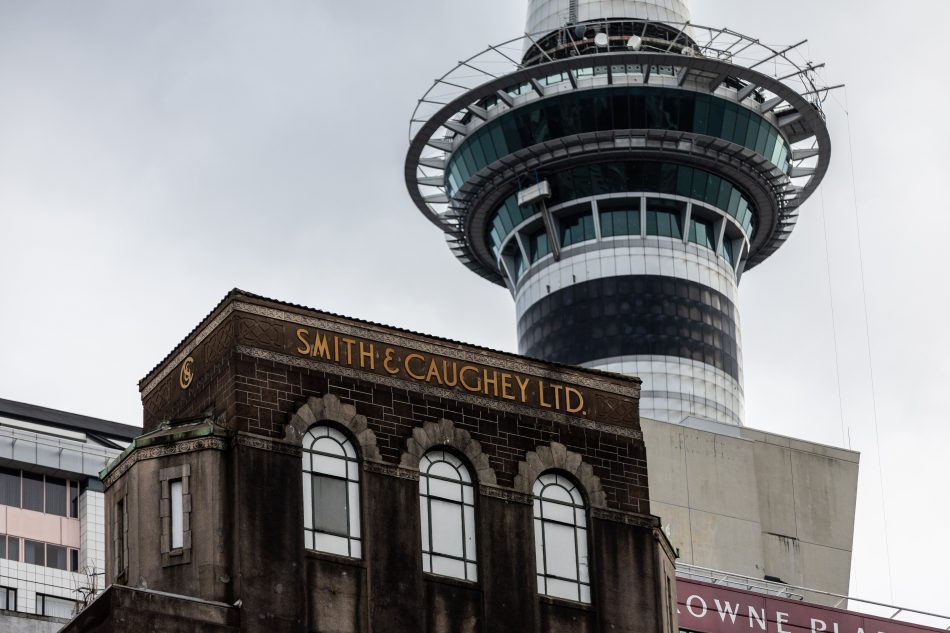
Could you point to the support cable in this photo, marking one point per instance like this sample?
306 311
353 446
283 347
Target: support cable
867 331
834 327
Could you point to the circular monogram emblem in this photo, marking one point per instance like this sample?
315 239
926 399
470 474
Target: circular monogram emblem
184 378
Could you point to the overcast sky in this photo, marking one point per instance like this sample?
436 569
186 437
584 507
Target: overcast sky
154 155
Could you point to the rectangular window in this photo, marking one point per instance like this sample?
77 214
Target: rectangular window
619 217
56 557
8 598
576 229
13 548
538 245
32 491
34 552
56 496
120 536
10 487
178 531
3 546
74 499
55 607
73 560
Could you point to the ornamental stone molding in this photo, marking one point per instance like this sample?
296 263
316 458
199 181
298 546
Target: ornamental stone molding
329 408
445 433
557 457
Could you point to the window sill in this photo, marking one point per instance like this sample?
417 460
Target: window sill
449 580
564 602
335 558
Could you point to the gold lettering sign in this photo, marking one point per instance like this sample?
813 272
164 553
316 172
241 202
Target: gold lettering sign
439 370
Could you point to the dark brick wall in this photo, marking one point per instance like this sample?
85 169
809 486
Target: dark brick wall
264 394
285 588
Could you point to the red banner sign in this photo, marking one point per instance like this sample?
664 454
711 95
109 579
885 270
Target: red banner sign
709 608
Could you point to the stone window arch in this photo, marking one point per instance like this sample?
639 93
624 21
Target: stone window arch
556 456
445 433
329 408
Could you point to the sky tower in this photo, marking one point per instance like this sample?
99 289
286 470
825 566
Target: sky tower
618 168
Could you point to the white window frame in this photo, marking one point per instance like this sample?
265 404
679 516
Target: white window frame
445 485
329 454
559 506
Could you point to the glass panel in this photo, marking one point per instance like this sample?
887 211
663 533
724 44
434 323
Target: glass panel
557 512
329 465
178 532
34 552
74 499
32 491
329 504
331 543
424 521
445 489
582 565
443 469
55 607
307 501
538 245
577 229
5 602
585 593
469 513
10 487
56 556
13 548
3 546
446 527
353 502
55 496
562 589
560 557
328 445
74 560
448 567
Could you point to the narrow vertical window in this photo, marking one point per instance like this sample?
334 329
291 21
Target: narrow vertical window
447 510
178 531
560 534
8 598
10 487
331 493
120 537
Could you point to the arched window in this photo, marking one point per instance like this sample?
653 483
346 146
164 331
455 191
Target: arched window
331 493
447 507
560 535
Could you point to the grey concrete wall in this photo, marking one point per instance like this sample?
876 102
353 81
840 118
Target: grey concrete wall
14 622
754 503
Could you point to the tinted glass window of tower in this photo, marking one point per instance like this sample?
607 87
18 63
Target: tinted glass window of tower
331 493
40 493
447 513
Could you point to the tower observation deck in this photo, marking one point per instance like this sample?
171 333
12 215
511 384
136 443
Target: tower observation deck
618 168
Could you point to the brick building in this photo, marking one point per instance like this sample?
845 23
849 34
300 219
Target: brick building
302 471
